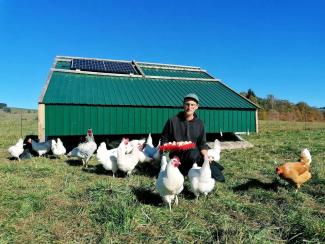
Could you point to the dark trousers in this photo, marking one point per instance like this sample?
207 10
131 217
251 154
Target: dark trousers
189 157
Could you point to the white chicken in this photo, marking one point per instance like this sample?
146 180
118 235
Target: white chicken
108 158
150 151
134 143
127 162
17 149
143 157
85 150
200 179
58 148
40 147
170 180
138 143
214 153
163 164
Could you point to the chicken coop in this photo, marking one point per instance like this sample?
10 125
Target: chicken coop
116 97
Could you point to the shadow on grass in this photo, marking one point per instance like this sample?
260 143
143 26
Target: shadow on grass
147 196
97 169
12 159
316 180
53 157
150 169
316 188
100 170
255 183
73 162
187 193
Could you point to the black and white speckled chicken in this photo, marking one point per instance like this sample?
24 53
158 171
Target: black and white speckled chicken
85 150
40 147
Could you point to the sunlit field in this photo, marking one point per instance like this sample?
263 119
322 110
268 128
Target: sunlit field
54 200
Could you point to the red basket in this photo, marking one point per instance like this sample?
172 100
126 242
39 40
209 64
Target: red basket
174 147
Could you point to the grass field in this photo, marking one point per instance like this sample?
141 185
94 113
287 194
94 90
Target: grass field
50 200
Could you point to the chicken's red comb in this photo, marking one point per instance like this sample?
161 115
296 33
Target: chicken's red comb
126 140
90 132
176 158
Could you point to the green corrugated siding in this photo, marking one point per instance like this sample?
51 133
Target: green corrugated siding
65 120
63 65
228 120
175 73
74 88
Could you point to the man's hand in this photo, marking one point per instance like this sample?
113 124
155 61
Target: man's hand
204 152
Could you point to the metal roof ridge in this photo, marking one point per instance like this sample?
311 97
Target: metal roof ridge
95 73
175 65
172 68
179 78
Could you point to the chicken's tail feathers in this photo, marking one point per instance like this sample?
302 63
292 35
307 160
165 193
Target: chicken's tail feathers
149 140
305 156
217 145
70 153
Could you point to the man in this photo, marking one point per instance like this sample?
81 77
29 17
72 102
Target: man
186 126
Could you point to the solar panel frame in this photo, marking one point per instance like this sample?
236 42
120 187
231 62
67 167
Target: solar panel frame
103 66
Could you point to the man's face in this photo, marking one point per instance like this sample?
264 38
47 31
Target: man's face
190 106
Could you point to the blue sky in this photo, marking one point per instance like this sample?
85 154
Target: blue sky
270 46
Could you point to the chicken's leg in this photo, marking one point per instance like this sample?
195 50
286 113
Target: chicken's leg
176 200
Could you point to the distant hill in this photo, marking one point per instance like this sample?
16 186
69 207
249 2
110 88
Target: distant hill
272 108
16 110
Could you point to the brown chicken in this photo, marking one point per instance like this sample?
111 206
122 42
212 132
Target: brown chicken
296 172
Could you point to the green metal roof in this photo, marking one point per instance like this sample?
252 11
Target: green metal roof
175 73
94 89
63 65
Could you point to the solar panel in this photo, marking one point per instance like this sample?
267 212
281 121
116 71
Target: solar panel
103 66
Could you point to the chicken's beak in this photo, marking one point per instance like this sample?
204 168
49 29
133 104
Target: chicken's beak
278 170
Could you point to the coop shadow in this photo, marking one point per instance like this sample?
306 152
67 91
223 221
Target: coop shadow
150 169
73 162
257 184
147 196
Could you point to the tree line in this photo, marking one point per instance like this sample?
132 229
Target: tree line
272 108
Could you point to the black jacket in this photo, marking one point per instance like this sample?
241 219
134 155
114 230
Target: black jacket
179 129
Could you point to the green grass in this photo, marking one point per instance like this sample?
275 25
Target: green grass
48 200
